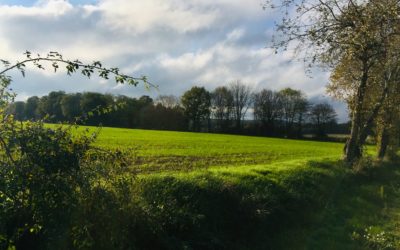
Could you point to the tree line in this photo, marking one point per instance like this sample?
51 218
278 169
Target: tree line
233 108
92 108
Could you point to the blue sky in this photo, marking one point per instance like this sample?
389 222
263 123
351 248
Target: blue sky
176 43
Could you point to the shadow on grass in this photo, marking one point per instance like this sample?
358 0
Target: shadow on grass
317 205
242 210
363 214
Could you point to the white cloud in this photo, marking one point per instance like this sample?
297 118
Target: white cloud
187 61
49 8
236 34
176 43
258 67
142 16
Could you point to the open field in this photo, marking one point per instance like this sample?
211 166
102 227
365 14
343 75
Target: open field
165 150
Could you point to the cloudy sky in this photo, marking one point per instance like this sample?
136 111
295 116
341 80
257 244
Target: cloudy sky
176 43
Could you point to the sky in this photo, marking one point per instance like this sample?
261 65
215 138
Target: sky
177 44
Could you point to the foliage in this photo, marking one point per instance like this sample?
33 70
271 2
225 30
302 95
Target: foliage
371 238
196 103
40 176
163 118
31 108
56 60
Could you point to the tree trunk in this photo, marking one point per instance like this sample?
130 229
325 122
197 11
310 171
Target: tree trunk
300 127
383 143
238 125
392 138
393 147
370 121
352 149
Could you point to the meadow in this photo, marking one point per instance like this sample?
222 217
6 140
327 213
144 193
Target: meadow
185 151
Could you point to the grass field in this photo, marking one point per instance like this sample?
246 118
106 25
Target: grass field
212 191
164 150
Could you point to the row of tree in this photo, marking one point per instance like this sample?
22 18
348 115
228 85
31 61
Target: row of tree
275 113
95 108
225 109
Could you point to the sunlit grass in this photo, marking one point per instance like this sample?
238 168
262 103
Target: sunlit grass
183 150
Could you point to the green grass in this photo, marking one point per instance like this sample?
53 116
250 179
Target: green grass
163 150
364 213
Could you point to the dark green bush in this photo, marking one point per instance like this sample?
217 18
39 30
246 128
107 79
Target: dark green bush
51 180
58 192
40 179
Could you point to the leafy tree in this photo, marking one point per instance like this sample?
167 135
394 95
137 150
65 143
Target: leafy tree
17 109
54 105
31 108
196 103
95 101
321 115
241 94
145 100
388 120
50 106
163 118
71 106
42 108
222 107
125 115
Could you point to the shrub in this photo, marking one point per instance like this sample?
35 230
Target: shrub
41 176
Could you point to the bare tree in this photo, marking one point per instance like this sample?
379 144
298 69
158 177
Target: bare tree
267 109
222 107
168 101
321 115
294 108
241 101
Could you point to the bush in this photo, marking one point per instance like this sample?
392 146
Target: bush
58 192
47 174
41 176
